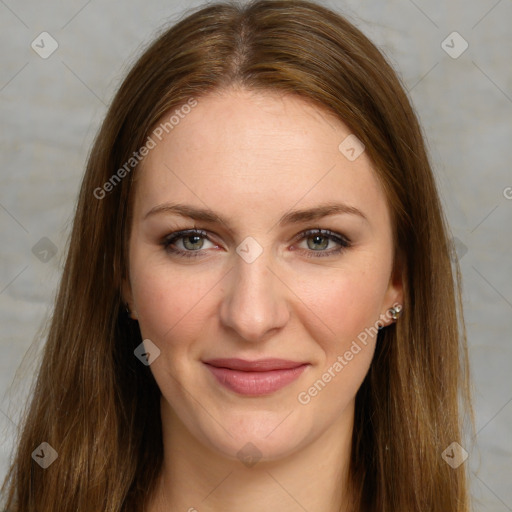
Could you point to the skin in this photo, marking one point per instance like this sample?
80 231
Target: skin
252 157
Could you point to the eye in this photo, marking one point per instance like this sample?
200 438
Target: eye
190 240
190 243
317 240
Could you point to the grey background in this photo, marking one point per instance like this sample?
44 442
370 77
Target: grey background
50 109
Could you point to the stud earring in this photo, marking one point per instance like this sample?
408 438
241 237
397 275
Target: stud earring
395 312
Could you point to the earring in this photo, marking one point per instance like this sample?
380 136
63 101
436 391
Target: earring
127 309
395 312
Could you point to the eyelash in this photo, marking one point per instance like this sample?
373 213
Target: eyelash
330 235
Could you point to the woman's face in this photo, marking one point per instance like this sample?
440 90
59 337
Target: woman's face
253 173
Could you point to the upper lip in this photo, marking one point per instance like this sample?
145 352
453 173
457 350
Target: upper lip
260 365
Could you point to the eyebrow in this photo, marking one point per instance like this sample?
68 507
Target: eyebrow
292 217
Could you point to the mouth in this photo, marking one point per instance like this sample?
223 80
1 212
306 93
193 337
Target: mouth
255 378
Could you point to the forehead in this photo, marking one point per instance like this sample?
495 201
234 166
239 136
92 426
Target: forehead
259 152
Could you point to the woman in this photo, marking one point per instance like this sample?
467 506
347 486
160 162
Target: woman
258 309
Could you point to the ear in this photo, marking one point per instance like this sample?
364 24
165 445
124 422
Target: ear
127 297
394 294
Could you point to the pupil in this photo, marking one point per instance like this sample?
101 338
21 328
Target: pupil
317 241
193 240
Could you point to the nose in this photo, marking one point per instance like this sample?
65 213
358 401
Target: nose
255 303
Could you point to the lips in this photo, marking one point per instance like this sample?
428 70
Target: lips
261 365
260 377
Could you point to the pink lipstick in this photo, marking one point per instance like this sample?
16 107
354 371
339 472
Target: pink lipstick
254 378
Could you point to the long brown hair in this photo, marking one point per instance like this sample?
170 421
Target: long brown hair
98 406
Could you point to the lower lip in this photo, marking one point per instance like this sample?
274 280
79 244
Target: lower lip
256 383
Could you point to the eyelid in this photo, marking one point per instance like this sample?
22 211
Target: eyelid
343 241
183 233
324 232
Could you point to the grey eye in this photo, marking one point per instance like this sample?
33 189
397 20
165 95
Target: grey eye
193 242
319 242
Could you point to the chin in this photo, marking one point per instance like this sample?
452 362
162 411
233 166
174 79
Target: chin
256 435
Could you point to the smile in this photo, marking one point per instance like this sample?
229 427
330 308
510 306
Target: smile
254 378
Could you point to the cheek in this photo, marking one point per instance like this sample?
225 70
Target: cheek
348 307
169 303
345 303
